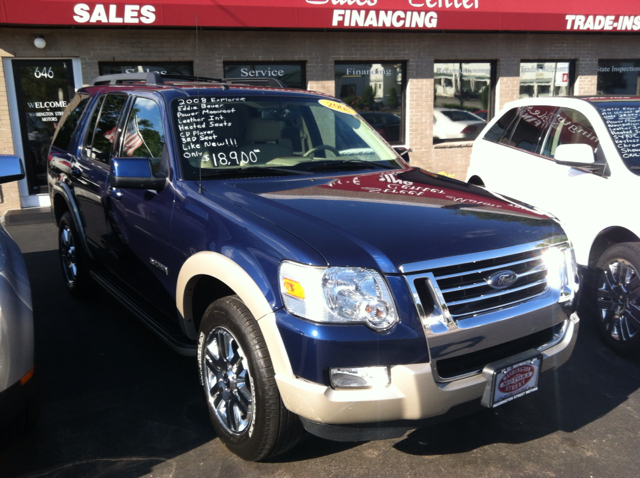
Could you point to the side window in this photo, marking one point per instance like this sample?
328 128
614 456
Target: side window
529 131
103 128
69 121
498 129
569 127
144 134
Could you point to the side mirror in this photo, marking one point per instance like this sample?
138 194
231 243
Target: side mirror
403 151
574 155
11 168
134 173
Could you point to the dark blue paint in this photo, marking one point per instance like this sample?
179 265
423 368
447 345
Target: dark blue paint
383 230
372 220
130 168
314 348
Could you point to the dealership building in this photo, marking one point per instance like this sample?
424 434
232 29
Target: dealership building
396 61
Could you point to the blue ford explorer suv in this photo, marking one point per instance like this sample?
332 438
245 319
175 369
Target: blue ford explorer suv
321 282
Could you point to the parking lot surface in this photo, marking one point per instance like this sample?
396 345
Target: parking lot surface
116 402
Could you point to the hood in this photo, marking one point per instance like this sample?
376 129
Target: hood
386 219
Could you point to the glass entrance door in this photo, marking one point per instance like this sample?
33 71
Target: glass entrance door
43 89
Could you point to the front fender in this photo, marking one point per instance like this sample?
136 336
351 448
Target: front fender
218 266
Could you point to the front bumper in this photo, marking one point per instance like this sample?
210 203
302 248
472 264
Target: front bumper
413 395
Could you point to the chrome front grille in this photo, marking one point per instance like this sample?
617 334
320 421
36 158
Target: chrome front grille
466 291
458 288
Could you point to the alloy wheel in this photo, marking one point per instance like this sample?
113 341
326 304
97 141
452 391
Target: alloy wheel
68 254
618 297
228 382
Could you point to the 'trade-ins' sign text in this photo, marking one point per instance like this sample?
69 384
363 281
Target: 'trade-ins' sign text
114 13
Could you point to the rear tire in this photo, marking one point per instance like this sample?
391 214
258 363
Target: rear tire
615 298
236 372
73 258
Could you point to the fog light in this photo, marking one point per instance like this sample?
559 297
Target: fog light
364 377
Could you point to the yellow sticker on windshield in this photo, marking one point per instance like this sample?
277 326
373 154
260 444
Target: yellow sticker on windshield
341 107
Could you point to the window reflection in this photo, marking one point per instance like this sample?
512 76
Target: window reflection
462 86
291 74
375 90
165 67
619 77
545 79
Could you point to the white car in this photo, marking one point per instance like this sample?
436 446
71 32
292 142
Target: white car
579 160
452 124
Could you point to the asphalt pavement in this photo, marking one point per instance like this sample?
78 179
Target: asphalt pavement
116 402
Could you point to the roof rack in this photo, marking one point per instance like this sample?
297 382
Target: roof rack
157 79
271 82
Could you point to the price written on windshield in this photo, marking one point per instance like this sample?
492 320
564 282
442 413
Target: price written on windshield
233 158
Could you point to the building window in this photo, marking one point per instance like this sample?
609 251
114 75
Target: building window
550 78
465 86
376 91
291 74
619 77
165 67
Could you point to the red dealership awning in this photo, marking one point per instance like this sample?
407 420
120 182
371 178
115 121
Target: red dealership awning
621 16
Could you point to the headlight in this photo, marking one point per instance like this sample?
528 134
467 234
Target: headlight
562 271
345 295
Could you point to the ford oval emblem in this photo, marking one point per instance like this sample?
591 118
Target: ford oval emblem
502 279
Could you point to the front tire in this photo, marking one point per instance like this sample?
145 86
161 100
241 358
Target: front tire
616 295
244 404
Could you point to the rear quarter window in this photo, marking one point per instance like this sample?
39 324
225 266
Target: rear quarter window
528 129
69 121
501 126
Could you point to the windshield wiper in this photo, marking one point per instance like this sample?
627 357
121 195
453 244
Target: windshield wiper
249 169
348 164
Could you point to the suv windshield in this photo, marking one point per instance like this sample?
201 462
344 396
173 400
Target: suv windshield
226 134
623 122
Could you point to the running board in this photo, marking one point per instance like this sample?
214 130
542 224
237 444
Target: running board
178 342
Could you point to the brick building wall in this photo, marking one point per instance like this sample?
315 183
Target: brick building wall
9 195
319 50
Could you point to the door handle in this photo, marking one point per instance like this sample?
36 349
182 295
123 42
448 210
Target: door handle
76 171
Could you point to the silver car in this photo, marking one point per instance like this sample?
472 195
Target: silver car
19 404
